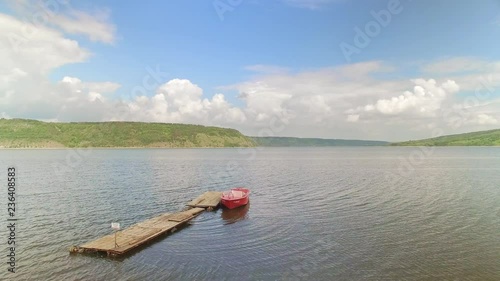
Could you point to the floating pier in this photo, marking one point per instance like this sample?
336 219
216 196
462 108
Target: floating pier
209 199
143 232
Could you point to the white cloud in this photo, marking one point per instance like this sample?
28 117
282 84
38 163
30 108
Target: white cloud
11 76
95 26
30 49
348 101
455 64
78 85
71 99
37 51
352 118
94 89
472 74
28 54
425 100
183 96
312 103
178 101
485 119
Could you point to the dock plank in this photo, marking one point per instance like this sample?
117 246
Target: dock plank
209 199
139 233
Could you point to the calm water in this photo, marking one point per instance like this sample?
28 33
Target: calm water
315 213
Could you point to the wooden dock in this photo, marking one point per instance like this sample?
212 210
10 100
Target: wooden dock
209 199
143 232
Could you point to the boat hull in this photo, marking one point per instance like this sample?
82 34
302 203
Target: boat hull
231 201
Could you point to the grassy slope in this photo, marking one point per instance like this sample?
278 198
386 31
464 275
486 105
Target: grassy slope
285 141
482 138
22 133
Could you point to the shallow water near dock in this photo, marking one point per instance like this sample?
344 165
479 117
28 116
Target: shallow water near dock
341 213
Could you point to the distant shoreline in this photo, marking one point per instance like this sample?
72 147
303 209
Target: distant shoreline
102 148
243 147
33 134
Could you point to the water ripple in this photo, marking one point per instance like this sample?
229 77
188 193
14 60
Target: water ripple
314 214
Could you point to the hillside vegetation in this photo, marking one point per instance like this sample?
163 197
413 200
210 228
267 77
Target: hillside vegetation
482 138
286 141
22 133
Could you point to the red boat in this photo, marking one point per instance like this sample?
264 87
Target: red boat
235 197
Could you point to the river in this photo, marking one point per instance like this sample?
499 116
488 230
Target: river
339 213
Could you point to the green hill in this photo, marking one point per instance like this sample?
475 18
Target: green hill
482 138
286 141
22 133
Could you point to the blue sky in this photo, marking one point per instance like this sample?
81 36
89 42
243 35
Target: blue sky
188 39
255 62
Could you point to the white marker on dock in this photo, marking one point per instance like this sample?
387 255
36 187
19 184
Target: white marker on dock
115 226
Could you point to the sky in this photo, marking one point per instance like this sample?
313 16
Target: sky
350 69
